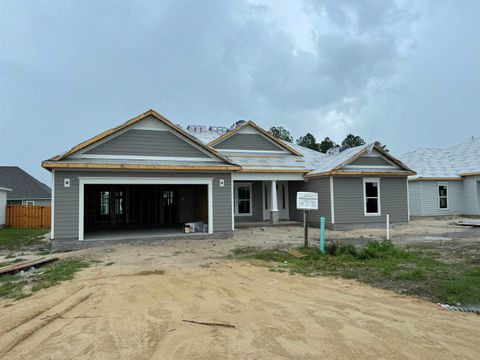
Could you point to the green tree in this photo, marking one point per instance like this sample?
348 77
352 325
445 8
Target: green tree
352 141
281 133
383 147
326 144
308 141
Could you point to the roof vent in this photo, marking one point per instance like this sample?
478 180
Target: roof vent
197 128
218 129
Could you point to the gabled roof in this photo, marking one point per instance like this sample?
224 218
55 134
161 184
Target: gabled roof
23 185
259 129
333 164
64 157
449 163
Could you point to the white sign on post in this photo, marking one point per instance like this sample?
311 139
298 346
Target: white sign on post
307 201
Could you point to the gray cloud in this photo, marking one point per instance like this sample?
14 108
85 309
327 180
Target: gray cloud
69 70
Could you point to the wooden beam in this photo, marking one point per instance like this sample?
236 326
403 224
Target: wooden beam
437 179
26 264
273 171
62 165
470 174
361 173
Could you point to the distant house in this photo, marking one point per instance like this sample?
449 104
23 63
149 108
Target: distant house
149 177
3 205
447 180
26 190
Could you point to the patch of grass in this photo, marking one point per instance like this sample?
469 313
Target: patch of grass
11 286
411 271
109 263
18 239
18 286
43 252
56 273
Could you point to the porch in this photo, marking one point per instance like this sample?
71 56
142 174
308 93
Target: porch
264 199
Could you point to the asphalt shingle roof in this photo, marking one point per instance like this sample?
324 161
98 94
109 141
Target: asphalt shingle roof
451 162
23 185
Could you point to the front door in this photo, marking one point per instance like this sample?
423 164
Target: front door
282 199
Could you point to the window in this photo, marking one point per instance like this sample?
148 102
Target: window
29 202
243 194
104 202
443 196
119 203
371 194
167 197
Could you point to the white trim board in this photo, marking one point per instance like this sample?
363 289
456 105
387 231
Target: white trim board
408 200
252 151
236 186
267 176
142 157
379 202
332 202
82 181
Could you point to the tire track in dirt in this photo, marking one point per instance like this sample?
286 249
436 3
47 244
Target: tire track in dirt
30 327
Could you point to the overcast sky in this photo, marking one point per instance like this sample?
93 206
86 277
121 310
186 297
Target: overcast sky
406 73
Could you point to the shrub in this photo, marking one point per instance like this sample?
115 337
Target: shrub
331 248
347 249
375 250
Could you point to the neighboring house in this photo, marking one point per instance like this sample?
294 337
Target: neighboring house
447 180
3 205
26 190
148 177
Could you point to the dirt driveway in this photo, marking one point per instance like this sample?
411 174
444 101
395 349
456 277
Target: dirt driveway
134 309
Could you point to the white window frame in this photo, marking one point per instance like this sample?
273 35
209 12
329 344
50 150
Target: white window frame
372 180
29 202
237 200
439 197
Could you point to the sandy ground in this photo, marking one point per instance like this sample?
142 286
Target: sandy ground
134 309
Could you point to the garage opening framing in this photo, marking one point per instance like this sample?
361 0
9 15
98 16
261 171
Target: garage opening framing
140 181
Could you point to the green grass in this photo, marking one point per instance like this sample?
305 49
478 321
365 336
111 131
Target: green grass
21 239
408 271
17 286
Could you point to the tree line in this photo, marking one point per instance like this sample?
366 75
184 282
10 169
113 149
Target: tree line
309 141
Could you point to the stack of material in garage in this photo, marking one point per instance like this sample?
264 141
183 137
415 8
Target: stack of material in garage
193 227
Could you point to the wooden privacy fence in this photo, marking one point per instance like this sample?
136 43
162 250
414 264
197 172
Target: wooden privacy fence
28 216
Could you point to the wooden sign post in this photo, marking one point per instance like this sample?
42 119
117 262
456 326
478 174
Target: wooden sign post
306 201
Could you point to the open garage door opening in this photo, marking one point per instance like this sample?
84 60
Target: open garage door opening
116 211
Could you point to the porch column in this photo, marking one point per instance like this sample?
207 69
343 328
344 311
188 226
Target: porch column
274 213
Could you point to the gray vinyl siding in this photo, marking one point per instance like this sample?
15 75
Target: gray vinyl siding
478 195
257 209
322 187
248 142
470 196
430 199
3 207
462 198
349 201
370 160
147 143
66 199
415 197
